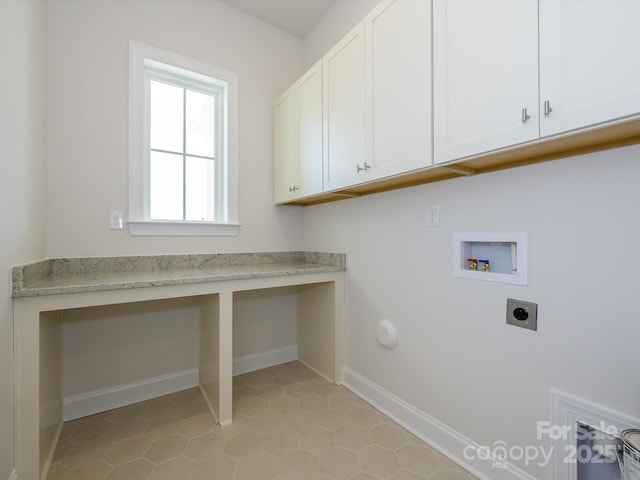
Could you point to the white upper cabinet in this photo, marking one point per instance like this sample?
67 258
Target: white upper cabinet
424 83
285 147
487 69
485 56
485 65
298 138
309 91
398 35
378 96
589 63
344 111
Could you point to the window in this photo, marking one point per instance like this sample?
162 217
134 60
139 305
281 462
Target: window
183 164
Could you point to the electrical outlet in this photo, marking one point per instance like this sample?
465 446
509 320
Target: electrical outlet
115 220
433 215
522 314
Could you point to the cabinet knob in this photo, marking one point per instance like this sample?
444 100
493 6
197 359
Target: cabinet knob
525 115
547 108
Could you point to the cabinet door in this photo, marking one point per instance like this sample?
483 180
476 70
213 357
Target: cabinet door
344 111
285 147
589 62
485 75
399 79
309 93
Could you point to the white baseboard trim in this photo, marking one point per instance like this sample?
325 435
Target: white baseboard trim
13 476
444 439
258 361
90 403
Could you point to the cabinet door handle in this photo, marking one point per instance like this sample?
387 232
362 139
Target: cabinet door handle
360 169
547 108
293 188
525 115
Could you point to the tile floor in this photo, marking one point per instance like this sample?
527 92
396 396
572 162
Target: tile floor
289 423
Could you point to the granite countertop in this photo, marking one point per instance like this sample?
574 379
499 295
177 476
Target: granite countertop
73 275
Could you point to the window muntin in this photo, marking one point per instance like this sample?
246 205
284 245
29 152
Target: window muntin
185 157
183 151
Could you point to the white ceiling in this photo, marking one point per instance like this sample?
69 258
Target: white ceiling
294 16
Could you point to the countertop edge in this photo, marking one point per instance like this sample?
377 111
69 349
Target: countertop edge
65 276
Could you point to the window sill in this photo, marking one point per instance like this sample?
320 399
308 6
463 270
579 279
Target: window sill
183 229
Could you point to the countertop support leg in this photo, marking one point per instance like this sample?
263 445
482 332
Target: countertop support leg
216 354
226 357
37 388
26 403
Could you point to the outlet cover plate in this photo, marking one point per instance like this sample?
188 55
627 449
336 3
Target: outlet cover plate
115 220
433 215
522 314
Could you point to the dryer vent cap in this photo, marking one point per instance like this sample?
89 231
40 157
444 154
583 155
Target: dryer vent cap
386 334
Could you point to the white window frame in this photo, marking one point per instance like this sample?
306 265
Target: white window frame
139 222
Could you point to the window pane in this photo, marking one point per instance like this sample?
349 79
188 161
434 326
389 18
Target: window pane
166 117
166 186
200 124
200 185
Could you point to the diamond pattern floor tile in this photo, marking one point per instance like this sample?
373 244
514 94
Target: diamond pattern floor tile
288 424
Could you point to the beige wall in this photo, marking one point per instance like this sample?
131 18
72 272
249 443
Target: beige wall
88 108
264 320
119 344
456 360
22 184
336 23
87 174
